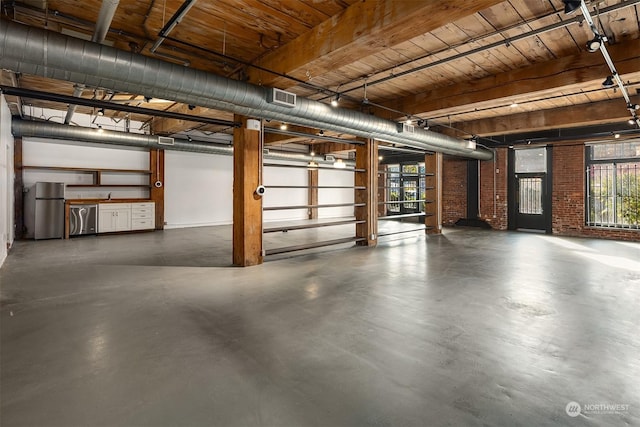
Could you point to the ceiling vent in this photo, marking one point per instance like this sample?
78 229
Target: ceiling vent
282 97
406 128
165 140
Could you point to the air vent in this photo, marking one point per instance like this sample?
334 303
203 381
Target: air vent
329 158
405 128
281 97
165 140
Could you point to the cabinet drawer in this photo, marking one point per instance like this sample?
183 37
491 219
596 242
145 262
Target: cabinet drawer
143 215
142 224
143 205
113 206
143 211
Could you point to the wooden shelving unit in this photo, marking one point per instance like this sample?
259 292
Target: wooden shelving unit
97 175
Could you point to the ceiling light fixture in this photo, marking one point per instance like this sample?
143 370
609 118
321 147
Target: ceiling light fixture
570 6
283 126
321 133
514 104
608 82
616 135
594 45
312 153
100 112
408 121
335 101
339 164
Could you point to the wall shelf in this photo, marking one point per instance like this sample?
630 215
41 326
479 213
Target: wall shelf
97 175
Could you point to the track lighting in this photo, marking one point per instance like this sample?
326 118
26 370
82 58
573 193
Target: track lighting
514 104
408 121
594 45
191 107
189 138
335 101
147 99
616 135
283 126
632 120
571 6
100 129
608 82
321 133
633 107
100 112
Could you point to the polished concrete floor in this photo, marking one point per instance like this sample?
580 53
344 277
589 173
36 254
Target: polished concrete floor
471 328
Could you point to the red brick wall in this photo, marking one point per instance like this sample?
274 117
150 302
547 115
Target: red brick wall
494 213
569 197
454 190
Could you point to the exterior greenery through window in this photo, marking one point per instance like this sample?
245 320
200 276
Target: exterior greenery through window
613 185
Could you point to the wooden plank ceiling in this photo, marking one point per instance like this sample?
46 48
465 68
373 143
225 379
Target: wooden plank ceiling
483 67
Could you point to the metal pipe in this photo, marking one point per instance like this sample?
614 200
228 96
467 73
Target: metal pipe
26 49
111 105
175 20
36 129
105 17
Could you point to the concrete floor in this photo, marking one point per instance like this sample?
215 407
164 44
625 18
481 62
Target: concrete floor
469 328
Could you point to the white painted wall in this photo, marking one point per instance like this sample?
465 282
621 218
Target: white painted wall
333 196
49 152
6 181
198 189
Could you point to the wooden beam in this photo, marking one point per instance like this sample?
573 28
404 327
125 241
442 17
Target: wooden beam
604 112
367 159
167 126
156 163
247 205
361 30
566 73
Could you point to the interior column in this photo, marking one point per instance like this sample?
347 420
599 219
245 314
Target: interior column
247 205
156 181
313 193
367 159
433 184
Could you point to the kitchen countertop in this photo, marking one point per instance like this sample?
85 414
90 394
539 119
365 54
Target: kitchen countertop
94 201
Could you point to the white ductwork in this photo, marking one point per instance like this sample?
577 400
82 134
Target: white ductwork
48 130
39 52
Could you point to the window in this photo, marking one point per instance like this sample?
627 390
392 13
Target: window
613 185
393 188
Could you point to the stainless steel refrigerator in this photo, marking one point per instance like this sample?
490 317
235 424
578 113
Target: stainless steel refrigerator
44 211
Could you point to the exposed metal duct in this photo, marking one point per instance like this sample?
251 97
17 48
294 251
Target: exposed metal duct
105 16
40 52
36 129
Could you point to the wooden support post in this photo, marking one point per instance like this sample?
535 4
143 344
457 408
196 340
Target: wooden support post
18 185
156 165
367 158
247 205
433 193
313 193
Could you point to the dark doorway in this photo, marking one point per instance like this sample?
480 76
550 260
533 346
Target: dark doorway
530 189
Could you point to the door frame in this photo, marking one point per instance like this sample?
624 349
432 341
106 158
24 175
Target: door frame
547 191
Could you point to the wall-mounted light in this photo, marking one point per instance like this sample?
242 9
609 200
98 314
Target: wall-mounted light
608 82
312 164
570 6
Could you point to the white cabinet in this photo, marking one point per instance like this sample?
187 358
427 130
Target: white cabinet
143 216
114 217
